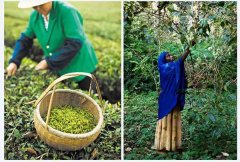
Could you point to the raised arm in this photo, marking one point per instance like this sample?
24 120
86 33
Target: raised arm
186 53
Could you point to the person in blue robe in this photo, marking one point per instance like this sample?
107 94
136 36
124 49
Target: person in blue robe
171 101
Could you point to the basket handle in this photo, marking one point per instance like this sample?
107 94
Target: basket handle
67 76
64 77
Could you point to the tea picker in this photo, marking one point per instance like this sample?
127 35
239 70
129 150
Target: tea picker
171 101
58 27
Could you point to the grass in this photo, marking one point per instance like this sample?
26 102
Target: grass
209 126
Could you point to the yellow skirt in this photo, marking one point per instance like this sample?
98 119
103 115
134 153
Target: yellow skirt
168 135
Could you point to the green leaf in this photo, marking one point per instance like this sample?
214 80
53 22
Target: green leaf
16 133
182 39
233 97
211 117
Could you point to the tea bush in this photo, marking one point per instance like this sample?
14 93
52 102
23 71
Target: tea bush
20 138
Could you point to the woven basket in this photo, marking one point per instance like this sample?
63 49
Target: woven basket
60 97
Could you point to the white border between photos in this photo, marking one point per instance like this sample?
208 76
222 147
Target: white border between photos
122 82
2 80
238 81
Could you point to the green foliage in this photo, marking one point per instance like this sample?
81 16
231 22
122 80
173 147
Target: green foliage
19 131
209 126
71 119
209 116
103 31
170 26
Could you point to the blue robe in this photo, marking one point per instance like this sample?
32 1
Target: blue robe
173 85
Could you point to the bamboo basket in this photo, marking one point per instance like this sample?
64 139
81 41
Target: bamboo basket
60 97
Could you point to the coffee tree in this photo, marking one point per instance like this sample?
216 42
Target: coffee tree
151 27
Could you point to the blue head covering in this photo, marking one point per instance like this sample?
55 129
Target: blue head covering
162 58
173 85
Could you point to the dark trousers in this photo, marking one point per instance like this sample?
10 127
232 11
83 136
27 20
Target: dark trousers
85 83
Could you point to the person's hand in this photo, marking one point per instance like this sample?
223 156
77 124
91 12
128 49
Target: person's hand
193 42
42 65
11 69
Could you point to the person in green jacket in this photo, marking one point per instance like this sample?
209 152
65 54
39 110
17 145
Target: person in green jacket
58 28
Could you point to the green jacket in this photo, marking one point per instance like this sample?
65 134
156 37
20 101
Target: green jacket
65 22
